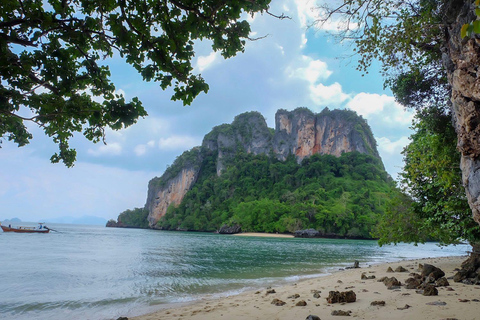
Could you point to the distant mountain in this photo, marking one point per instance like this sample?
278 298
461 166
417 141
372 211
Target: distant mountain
90 220
14 220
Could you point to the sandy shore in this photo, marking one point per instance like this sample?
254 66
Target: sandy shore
257 305
265 235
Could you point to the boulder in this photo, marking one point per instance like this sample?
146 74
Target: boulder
412 283
429 270
401 269
442 282
308 233
278 302
230 229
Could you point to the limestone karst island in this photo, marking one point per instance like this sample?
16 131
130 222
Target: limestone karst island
313 171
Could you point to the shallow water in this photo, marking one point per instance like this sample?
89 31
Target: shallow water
92 272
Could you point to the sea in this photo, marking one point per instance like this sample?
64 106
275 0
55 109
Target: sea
93 272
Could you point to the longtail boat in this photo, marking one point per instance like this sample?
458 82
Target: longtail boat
40 229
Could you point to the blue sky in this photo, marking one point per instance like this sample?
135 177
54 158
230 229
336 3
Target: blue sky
294 66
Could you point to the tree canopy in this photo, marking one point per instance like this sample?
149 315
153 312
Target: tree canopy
409 39
52 57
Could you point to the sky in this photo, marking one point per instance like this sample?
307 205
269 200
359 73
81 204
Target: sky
295 65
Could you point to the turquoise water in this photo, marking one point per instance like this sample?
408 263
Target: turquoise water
92 272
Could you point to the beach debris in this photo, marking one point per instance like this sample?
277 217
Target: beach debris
313 317
278 302
377 303
436 303
340 313
271 291
365 277
431 271
339 297
404 308
356 265
430 290
442 282
463 300
364 290
389 269
401 269
350 287
301 303
294 296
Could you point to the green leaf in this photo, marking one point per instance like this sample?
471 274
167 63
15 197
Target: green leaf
476 26
463 31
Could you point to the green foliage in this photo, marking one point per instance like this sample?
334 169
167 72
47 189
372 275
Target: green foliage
134 218
439 209
52 52
345 196
473 27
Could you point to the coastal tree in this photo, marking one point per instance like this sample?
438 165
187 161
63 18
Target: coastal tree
424 60
53 53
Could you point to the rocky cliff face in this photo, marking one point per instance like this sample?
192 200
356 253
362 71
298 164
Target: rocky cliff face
462 60
173 185
303 133
299 132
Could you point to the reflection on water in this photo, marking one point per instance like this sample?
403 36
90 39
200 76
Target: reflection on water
101 273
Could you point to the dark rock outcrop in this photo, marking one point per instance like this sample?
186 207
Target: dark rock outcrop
431 271
230 229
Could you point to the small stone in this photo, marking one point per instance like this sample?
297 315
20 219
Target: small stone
341 313
313 317
412 283
122 318
377 303
382 279
365 277
475 300
271 291
316 295
278 302
436 303
389 269
463 300
301 303
392 283
294 296
450 289
339 297
430 290
401 269
404 308
258 292
339 281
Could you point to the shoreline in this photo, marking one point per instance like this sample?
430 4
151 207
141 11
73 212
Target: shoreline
451 301
263 235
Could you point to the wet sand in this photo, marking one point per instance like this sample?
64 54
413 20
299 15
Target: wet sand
449 304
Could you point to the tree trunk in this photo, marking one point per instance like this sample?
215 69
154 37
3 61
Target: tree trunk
461 59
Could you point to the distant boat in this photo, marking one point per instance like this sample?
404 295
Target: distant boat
40 229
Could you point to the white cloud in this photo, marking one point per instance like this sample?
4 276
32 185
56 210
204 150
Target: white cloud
326 95
387 146
111 149
141 149
374 105
307 12
204 62
175 142
310 70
